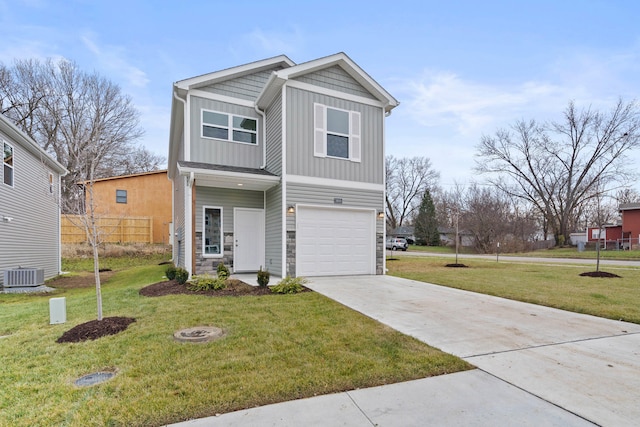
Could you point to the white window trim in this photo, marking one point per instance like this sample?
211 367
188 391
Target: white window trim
12 167
221 242
320 133
229 127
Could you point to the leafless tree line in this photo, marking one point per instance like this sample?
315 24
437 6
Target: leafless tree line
544 181
82 119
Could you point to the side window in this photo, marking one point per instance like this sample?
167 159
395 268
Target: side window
50 183
121 196
229 127
336 133
212 231
7 175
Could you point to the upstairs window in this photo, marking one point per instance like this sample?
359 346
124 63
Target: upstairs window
336 133
121 196
50 183
8 164
229 127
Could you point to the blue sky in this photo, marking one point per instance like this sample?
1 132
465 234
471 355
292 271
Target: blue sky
460 69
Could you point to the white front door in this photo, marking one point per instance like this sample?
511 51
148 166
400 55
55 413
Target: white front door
248 236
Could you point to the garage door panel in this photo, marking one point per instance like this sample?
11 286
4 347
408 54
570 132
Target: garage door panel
335 241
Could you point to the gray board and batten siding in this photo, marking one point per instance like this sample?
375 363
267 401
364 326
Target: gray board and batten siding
326 196
246 87
300 127
179 186
227 199
273 114
336 78
273 229
221 152
32 237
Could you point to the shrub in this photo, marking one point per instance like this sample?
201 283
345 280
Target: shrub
263 277
223 271
289 285
207 283
170 272
181 275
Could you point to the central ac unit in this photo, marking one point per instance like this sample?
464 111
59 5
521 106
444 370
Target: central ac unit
22 277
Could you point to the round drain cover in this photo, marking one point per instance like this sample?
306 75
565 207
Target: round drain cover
199 334
95 378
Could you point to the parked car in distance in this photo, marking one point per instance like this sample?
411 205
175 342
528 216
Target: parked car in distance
395 243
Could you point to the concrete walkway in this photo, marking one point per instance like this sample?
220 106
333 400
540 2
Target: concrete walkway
537 366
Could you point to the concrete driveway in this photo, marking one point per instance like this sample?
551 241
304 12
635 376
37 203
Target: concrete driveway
584 365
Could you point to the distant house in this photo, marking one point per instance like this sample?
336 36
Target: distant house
448 237
405 231
145 194
280 166
29 204
624 234
630 213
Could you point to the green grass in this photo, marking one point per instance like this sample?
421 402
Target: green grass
559 286
277 348
586 254
572 252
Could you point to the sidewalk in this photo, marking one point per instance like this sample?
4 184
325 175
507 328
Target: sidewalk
537 365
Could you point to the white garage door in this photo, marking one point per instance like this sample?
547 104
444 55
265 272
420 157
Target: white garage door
334 241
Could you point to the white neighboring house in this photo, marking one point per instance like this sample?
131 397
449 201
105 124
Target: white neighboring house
29 204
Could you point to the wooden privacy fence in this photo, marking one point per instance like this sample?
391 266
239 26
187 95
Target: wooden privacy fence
112 229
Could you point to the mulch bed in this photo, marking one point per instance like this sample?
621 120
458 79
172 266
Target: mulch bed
599 274
95 329
457 265
235 288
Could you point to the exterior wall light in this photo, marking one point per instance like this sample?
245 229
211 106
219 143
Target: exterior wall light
291 209
7 219
381 215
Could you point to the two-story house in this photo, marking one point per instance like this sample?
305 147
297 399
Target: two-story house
29 205
281 166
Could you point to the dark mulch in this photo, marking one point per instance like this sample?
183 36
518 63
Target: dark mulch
234 288
96 329
81 280
599 274
458 265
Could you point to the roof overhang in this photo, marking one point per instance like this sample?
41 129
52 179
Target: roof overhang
279 78
14 133
228 177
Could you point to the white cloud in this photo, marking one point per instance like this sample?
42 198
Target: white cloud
269 43
113 58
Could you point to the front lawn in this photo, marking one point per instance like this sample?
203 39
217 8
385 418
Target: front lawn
559 286
277 348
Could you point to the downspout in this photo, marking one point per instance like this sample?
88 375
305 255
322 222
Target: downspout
283 207
264 136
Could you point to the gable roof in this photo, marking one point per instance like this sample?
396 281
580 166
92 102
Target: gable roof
233 72
19 137
279 78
